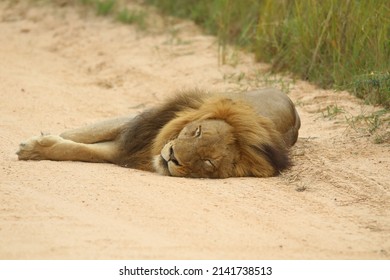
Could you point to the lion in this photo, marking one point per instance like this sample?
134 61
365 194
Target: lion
194 134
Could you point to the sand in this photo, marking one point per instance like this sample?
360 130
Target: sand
62 67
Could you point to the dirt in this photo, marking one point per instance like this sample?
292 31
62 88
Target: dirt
62 67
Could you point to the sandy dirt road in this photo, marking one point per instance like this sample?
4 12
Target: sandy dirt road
61 68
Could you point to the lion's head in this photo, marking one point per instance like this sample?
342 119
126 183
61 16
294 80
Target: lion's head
223 138
203 149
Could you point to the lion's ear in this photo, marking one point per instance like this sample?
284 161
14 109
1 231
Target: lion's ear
198 131
276 155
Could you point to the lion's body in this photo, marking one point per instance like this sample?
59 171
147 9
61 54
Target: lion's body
194 134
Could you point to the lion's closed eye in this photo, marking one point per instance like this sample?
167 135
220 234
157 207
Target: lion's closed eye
209 164
175 161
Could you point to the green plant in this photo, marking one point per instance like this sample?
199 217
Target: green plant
266 79
332 111
369 123
137 17
373 87
382 138
104 7
87 2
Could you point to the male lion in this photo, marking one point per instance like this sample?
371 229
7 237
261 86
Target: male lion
195 134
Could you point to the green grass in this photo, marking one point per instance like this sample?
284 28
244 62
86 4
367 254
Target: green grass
137 17
373 87
104 7
331 43
375 124
331 111
118 10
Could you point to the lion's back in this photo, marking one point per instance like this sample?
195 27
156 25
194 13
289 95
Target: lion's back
277 106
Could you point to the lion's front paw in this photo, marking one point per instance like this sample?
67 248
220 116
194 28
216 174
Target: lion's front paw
35 148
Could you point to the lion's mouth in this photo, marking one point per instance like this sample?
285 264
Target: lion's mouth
161 165
164 162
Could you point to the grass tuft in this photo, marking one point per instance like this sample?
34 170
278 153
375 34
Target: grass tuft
331 111
104 7
137 17
118 10
373 87
374 124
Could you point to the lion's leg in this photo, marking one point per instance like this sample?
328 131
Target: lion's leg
98 132
54 147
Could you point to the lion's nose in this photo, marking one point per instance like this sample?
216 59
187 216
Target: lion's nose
172 156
